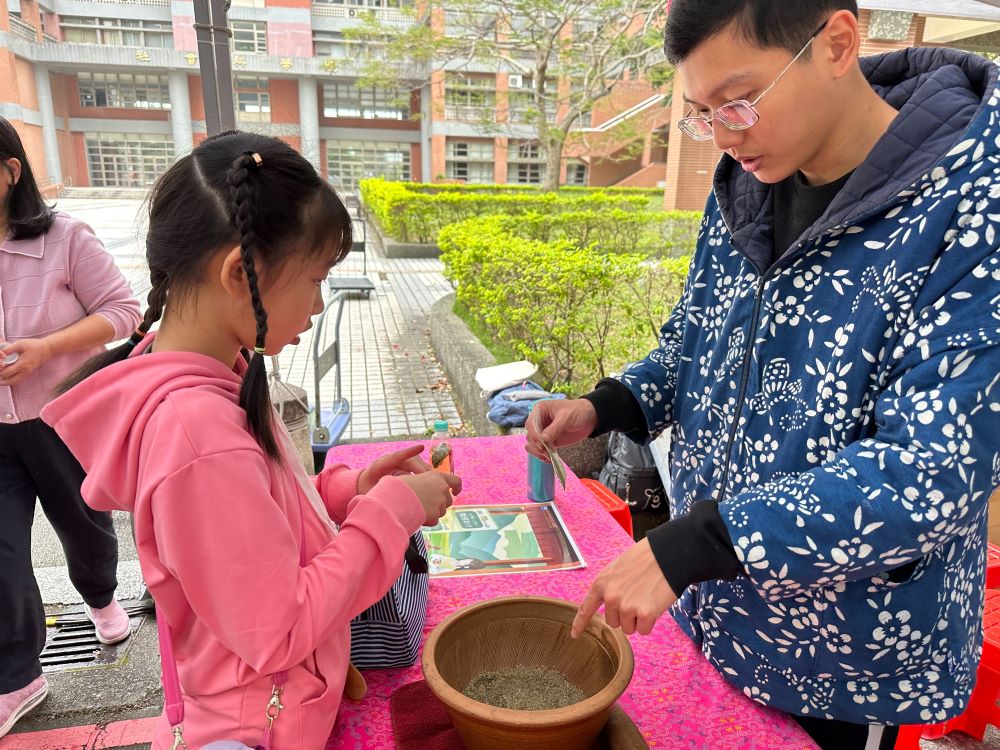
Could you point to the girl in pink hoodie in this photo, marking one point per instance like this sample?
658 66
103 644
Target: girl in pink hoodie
177 428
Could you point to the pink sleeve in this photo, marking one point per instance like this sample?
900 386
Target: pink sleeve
225 539
337 485
99 285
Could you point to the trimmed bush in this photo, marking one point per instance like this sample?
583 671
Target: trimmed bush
650 233
577 311
409 212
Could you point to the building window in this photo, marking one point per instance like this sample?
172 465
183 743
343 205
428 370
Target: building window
253 99
334 44
522 100
470 97
368 102
349 162
469 161
123 90
127 159
576 173
249 36
525 164
117 32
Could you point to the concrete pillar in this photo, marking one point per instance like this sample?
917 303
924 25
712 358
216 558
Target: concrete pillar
180 112
43 88
309 121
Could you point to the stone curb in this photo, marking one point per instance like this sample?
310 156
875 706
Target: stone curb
461 353
389 248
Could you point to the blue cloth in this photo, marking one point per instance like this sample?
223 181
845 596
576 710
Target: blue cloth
843 407
507 413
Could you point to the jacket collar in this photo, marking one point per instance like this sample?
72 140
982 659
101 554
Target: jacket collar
940 94
33 248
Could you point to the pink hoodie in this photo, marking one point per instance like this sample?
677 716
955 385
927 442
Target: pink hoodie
217 531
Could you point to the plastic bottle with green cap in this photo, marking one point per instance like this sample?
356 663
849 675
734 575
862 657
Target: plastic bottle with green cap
441 457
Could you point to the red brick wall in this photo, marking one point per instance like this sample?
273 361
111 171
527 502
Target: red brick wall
79 150
875 47
195 97
24 78
284 100
605 172
416 165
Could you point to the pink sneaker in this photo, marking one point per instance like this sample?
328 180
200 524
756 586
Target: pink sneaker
15 705
110 622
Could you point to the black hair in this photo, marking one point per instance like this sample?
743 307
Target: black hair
235 188
27 214
785 24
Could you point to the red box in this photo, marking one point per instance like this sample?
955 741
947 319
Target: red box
612 503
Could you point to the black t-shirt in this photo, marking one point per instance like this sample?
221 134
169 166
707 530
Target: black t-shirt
797 206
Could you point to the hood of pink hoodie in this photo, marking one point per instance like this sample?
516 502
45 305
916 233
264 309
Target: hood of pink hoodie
102 419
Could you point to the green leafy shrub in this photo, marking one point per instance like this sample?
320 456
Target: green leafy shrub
651 233
409 212
577 311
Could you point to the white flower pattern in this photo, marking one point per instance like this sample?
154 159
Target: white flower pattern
845 412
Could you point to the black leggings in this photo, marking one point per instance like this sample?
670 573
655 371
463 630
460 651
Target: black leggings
831 734
34 462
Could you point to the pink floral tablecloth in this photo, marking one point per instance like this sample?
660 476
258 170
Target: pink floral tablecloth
677 699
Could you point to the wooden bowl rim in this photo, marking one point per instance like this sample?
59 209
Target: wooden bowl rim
454 699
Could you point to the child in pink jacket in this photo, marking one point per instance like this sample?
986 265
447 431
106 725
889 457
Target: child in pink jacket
177 428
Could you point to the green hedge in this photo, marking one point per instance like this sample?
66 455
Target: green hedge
576 311
409 212
650 233
455 187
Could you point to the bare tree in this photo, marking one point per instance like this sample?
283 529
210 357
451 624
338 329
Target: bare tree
567 55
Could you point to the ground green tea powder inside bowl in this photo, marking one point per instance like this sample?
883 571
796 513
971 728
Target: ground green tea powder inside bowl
524 689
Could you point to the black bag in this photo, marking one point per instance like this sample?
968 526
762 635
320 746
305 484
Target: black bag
630 472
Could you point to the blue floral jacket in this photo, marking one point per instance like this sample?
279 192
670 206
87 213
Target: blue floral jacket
843 407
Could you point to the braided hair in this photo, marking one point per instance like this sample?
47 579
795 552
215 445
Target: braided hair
255 397
234 188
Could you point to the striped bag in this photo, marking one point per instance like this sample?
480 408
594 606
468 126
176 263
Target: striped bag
388 633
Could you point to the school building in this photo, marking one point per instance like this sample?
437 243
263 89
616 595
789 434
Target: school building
107 93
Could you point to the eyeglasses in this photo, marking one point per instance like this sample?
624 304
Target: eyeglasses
739 114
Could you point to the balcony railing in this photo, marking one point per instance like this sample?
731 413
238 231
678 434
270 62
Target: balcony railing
153 3
470 114
326 10
22 29
527 117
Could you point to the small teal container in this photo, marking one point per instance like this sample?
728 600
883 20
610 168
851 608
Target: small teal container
541 481
541 477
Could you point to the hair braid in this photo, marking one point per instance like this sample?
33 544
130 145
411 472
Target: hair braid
254 395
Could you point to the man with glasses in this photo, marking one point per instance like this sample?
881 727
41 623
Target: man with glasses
830 377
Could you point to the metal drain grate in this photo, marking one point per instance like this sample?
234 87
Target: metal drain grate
71 643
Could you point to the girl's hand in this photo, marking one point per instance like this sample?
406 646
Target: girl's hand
434 489
32 354
405 461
